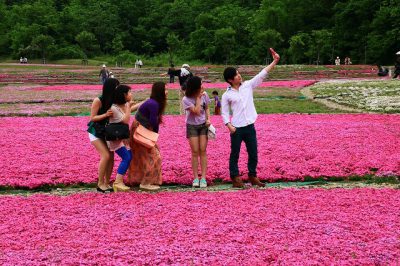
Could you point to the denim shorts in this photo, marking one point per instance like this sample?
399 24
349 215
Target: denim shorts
196 130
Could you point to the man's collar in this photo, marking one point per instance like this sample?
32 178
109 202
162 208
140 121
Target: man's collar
231 88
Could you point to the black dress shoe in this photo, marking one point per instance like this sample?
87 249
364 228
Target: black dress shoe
102 190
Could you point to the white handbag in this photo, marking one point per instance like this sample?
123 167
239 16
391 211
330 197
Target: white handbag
211 132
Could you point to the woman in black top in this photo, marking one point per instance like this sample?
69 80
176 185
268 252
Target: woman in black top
99 114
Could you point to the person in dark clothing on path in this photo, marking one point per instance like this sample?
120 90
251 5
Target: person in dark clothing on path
183 75
171 73
397 66
104 74
382 71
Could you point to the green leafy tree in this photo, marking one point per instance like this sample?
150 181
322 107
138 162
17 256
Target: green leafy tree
384 38
263 40
224 40
299 47
234 31
352 26
174 44
125 58
88 43
42 43
117 44
271 15
21 38
201 43
147 47
320 46
4 36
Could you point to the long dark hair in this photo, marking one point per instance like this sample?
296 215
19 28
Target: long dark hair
193 86
108 93
158 94
119 96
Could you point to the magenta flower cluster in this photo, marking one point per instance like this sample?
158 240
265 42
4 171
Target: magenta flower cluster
251 227
56 150
219 85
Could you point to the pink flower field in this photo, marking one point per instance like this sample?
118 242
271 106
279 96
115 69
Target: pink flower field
288 84
251 227
28 94
56 150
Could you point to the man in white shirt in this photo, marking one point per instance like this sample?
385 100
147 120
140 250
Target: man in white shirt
239 99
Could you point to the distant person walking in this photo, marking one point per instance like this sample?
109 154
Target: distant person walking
170 73
183 75
238 99
104 74
382 71
397 66
337 61
217 103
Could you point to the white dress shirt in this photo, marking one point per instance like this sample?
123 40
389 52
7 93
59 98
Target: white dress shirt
241 102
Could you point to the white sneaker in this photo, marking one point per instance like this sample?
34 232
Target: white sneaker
203 183
196 183
156 187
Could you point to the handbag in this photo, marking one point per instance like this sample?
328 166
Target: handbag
211 134
145 136
99 128
116 131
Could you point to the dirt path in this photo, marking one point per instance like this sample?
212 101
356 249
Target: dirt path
214 188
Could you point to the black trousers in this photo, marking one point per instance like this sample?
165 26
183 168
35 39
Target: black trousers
248 135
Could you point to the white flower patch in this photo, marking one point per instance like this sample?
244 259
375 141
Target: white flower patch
387 103
376 96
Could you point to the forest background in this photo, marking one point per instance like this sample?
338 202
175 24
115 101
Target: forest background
217 32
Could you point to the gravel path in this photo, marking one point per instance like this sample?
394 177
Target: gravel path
215 188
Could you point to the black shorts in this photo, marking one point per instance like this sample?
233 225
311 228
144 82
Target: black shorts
196 130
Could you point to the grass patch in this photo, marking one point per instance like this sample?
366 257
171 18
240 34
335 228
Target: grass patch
287 105
384 179
269 104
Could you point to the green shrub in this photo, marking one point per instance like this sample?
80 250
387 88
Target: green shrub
69 52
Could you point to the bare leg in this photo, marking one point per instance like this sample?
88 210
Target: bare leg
181 94
102 149
203 155
109 170
194 146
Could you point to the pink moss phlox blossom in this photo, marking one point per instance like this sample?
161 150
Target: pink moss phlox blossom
56 150
220 85
251 227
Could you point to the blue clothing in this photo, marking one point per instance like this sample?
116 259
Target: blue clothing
126 157
147 115
216 99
